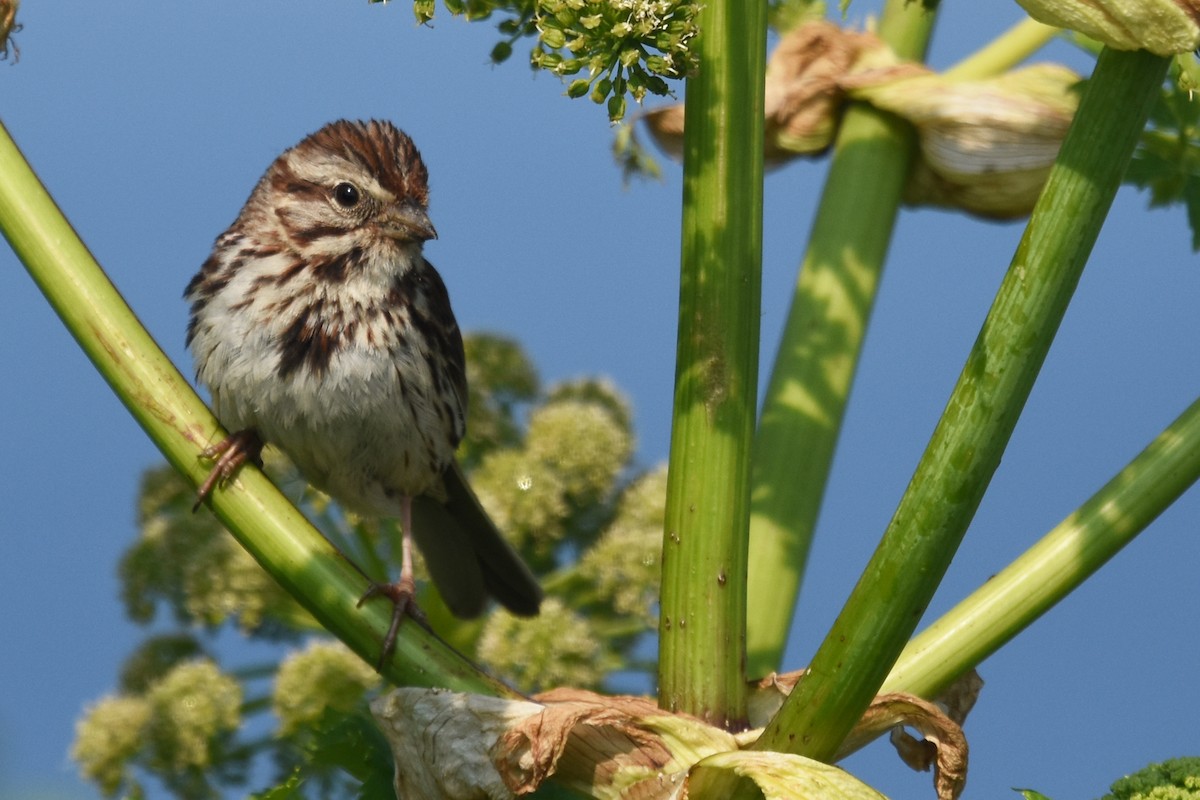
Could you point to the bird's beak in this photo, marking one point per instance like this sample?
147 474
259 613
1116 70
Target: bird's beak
407 222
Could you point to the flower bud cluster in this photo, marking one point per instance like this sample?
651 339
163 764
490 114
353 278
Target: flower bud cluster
175 728
625 564
541 492
561 647
192 564
326 675
624 47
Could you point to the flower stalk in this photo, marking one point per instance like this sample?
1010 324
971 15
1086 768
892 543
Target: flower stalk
982 411
703 611
1054 567
822 339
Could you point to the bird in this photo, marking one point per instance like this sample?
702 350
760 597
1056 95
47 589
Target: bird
320 328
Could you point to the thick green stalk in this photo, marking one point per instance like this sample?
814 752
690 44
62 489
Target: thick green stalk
814 368
1047 572
1007 51
702 628
967 445
178 422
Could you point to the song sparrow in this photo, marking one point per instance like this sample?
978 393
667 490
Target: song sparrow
319 327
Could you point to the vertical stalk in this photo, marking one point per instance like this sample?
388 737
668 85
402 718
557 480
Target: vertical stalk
702 627
814 368
982 411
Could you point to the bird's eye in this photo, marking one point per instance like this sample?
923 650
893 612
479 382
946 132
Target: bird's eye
346 195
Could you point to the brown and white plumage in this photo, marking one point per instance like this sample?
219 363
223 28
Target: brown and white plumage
319 327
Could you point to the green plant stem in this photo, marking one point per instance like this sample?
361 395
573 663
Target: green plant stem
822 339
1046 573
158 397
702 627
1005 52
967 445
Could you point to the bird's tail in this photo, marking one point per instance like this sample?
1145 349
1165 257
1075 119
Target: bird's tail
467 556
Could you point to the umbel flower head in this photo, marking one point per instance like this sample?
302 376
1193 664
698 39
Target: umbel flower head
107 737
190 562
624 46
324 675
173 728
557 648
625 564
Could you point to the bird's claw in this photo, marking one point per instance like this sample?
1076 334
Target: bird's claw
402 593
227 455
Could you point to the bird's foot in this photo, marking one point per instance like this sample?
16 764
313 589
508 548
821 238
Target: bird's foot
227 455
402 593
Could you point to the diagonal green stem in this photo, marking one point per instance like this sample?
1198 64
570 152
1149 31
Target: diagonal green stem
702 627
1007 51
178 422
1046 573
814 368
967 445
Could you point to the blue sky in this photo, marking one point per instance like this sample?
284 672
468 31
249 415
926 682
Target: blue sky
150 123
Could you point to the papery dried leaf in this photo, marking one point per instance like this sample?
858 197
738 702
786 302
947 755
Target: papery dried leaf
779 776
665 124
803 94
610 747
959 697
1165 27
944 748
986 146
443 742
9 26
451 746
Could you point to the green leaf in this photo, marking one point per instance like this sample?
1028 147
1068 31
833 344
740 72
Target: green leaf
1191 196
285 791
354 744
1031 794
1167 159
1173 779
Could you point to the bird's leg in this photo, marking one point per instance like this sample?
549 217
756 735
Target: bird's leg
403 591
229 454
